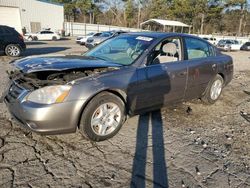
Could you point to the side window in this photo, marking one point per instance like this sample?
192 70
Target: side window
6 31
43 32
198 49
10 30
2 31
97 34
169 50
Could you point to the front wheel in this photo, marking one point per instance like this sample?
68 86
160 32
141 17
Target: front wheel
103 117
12 50
213 90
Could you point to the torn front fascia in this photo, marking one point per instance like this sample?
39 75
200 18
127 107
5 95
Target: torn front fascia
29 81
40 79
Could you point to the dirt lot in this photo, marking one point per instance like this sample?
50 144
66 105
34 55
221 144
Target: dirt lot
207 147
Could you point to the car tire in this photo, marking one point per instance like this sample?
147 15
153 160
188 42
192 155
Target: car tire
97 122
213 91
35 38
13 50
54 38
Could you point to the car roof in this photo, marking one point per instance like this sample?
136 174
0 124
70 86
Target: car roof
6 26
161 34
46 30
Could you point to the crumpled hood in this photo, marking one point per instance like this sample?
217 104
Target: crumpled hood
60 63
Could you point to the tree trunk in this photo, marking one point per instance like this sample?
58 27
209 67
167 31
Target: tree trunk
240 25
241 19
202 23
139 16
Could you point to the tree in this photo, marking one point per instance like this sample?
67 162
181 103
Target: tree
205 16
129 12
242 4
158 9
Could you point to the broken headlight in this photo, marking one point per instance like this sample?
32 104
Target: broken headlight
49 94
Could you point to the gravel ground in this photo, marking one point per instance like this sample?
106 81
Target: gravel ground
206 146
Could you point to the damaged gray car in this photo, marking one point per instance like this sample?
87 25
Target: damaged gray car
126 75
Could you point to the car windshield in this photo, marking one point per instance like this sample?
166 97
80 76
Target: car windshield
89 34
123 50
236 42
105 34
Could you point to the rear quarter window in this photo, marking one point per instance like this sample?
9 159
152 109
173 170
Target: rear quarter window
6 31
198 49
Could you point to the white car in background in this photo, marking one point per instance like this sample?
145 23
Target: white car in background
229 45
236 45
83 39
42 35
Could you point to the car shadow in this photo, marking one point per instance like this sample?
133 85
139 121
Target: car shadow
28 43
160 178
41 51
150 95
64 38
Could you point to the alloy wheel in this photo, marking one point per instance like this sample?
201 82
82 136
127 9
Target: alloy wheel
216 89
106 119
13 51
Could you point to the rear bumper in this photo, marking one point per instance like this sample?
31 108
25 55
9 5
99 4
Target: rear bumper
80 42
229 73
23 46
47 119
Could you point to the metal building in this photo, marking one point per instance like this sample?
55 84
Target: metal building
34 15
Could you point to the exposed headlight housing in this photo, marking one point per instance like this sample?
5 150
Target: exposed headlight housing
49 94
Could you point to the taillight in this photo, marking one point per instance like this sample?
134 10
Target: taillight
20 37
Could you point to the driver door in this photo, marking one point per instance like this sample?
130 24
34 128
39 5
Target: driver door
160 83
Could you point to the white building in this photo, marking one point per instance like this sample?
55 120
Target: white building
34 15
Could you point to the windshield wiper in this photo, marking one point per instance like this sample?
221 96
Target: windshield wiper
104 59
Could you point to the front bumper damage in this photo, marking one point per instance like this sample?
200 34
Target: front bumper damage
40 118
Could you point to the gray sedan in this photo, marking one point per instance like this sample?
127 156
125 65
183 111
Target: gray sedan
123 76
95 40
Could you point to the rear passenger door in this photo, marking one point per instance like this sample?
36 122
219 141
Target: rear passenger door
6 37
202 66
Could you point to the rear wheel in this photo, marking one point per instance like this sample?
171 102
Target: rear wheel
103 117
54 38
12 50
213 90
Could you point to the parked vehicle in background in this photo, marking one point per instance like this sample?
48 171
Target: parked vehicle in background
11 42
42 35
83 39
229 45
211 40
245 46
123 76
93 41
